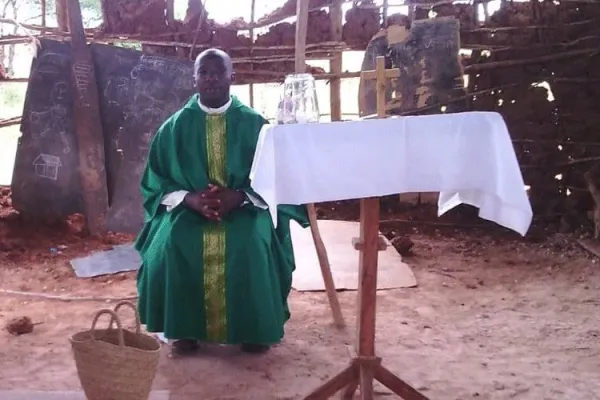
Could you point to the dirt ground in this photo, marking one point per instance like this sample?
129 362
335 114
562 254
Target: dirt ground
494 317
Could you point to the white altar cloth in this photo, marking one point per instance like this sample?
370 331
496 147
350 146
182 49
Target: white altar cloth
467 157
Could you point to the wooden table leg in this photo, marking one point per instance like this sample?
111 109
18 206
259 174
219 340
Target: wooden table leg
367 277
367 293
345 378
348 392
334 302
397 385
366 367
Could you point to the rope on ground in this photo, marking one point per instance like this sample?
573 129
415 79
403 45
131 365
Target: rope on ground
47 296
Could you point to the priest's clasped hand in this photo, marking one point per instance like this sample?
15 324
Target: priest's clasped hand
214 202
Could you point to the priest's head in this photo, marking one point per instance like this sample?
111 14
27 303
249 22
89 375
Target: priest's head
213 72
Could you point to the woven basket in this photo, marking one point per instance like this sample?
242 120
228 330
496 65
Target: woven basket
115 364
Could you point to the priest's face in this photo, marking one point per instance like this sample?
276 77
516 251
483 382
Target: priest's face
214 74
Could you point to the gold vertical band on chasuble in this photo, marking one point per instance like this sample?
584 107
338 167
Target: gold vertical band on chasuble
214 236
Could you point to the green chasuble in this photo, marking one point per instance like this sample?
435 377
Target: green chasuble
225 282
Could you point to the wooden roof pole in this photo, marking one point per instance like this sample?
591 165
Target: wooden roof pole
300 58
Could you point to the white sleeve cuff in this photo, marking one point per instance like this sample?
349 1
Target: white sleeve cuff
256 201
173 199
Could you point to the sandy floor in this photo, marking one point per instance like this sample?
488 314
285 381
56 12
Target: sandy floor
493 317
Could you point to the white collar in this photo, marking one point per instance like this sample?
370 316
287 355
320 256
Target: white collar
219 110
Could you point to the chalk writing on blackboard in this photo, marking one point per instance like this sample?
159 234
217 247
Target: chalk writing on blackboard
65 141
51 63
438 43
46 166
60 92
48 121
82 73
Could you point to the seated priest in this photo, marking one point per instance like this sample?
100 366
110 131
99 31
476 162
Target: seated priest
214 268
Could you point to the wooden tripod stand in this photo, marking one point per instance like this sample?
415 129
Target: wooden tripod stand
365 366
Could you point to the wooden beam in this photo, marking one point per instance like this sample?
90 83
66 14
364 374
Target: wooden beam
301 30
335 64
88 125
62 15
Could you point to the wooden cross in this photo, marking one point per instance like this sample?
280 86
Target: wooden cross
381 75
366 366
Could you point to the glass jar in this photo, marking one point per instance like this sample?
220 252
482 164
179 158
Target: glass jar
298 105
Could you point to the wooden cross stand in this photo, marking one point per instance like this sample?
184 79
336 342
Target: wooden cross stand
366 366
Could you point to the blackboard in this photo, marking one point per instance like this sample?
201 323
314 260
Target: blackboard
428 61
137 93
45 180
430 69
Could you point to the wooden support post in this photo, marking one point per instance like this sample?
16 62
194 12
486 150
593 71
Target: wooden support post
301 31
411 11
62 15
43 6
486 12
384 13
335 64
366 367
367 292
88 125
359 245
300 58
170 11
252 17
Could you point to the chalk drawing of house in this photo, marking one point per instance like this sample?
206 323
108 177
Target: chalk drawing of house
46 166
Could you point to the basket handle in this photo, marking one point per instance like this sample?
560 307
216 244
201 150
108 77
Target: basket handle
113 318
135 312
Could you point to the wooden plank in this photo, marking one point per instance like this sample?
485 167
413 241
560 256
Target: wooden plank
335 64
88 125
